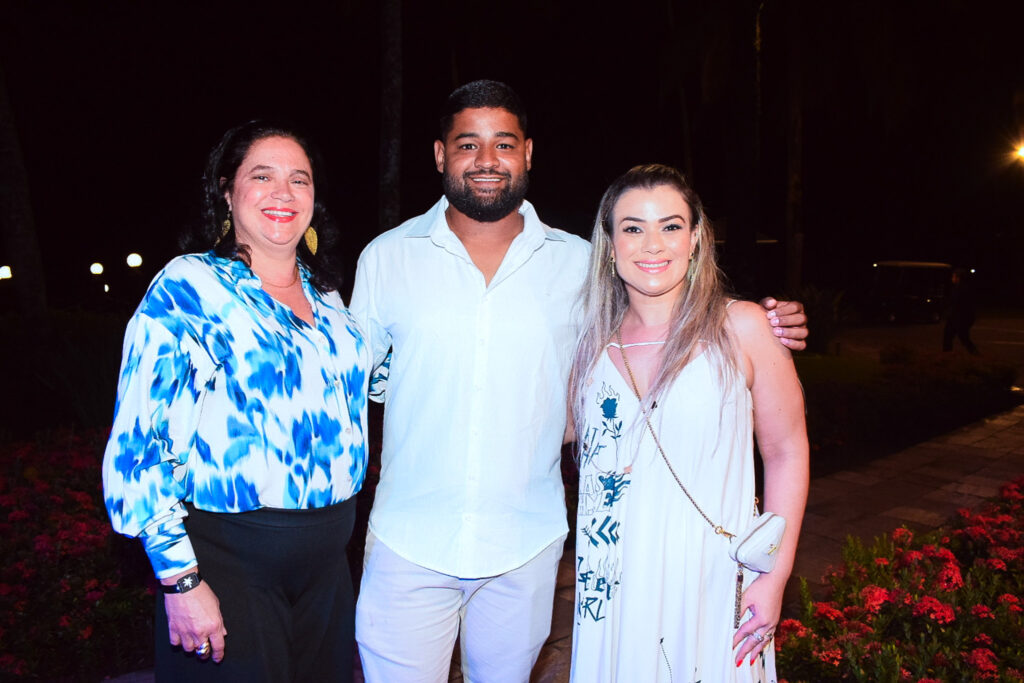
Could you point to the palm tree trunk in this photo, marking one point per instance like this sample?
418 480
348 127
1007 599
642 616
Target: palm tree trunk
795 155
390 204
17 226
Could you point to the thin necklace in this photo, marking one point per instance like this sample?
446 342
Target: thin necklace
273 284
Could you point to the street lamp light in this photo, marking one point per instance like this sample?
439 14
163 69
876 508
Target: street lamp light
134 260
96 269
5 272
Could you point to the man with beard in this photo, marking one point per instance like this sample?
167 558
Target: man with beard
476 300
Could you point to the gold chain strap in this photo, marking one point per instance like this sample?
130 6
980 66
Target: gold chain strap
625 361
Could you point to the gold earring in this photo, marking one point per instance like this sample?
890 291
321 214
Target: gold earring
311 242
225 228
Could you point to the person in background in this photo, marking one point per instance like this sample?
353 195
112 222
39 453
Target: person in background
961 313
669 384
239 436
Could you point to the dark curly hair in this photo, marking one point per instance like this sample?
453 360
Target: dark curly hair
219 177
483 94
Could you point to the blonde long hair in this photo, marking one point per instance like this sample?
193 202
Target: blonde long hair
699 314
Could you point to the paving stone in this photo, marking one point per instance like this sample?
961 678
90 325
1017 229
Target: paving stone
912 457
856 477
954 498
825 490
911 514
562 619
982 491
553 663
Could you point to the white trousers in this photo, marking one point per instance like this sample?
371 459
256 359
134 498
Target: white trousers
407 618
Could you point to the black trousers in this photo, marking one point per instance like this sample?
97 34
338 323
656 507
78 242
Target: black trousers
285 594
960 328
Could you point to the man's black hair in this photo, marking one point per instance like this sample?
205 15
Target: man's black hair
482 94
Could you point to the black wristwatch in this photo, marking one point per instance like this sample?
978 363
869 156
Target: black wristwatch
184 584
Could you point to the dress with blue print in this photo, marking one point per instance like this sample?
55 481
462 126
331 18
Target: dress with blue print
655 585
231 402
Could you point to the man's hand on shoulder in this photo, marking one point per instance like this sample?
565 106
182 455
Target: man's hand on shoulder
788 320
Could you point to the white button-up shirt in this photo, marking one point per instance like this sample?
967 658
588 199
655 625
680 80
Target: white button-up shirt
475 403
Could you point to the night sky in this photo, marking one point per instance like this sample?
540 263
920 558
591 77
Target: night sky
907 107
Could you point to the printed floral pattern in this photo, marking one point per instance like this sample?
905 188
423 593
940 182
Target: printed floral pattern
228 400
603 485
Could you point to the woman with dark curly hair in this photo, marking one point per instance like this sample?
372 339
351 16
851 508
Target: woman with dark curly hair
239 437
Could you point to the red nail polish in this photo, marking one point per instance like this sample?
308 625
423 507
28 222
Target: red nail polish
739 663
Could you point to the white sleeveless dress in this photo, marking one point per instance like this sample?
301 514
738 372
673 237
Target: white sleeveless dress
655 587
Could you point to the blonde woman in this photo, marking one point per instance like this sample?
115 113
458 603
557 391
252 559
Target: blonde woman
656 588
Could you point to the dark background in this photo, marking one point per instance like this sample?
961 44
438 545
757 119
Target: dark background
907 108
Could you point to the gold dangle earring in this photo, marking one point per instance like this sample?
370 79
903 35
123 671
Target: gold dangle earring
691 270
225 228
310 238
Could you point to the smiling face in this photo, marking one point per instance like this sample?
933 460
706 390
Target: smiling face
271 196
485 161
653 239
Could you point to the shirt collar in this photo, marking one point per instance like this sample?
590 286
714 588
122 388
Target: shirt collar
436 225
237 271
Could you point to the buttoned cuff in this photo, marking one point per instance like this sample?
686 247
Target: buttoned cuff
170 551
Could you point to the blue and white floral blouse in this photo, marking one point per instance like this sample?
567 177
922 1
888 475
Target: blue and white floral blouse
231 402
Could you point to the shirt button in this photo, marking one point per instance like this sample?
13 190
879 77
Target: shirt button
348 430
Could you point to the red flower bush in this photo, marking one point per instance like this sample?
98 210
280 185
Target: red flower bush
73 594
941 607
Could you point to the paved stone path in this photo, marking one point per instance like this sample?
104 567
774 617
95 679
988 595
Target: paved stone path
920 487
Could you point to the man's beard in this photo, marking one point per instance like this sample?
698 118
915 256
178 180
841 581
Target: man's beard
488 208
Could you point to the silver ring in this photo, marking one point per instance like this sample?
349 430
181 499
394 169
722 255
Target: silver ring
203 649
758 636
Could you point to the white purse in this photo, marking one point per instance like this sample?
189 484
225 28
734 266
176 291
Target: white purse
757 548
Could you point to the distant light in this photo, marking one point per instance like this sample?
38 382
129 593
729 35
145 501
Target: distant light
106 288
1020 151
96 269
874 265
134 260
973 271
5 272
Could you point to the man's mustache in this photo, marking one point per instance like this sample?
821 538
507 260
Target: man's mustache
474 174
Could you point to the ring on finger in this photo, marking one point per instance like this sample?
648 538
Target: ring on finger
203 649
758 637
